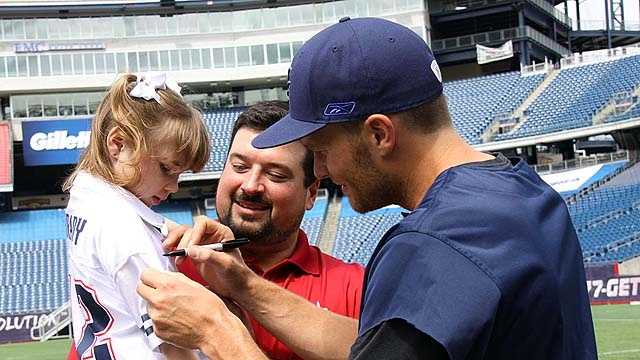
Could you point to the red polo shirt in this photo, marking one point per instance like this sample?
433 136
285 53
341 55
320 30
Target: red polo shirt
320 278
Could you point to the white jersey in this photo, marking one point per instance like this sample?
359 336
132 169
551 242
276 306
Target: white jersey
113 237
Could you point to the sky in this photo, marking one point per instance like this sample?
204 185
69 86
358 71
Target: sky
591 10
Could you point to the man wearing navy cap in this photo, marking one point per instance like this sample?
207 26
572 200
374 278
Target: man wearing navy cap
486 266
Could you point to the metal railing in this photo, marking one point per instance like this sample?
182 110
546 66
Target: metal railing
53 323
581 162
497 37
599 55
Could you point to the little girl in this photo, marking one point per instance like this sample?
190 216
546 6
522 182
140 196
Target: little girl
142 137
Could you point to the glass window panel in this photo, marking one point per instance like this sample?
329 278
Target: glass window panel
132 57
33 66
143 58
140 27
7 30
65 104
88 64
80 104
350 8
317 10
12 67
121 62
218 58
19 29
78 67
75 28
185 58
86 31
339 9
54 29
94 101
56 64
30 29
195 59
175 59
50 105
22 66
227 23
282 16
42 28
257 55
206 58
129 26
215 21
162 26
110 63
328 14
243 55
153 61
172 25
272 53
203 23
3 70
118 27
67 65
100 63
187 24
296 46
19 106
164 60
229 57
34 106
45 65
285 52
269 18
306 11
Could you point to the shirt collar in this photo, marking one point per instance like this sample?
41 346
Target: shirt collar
304 257
92 182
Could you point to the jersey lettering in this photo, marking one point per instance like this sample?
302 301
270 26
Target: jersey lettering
97 322
75 225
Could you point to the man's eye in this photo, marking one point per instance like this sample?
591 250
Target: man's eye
239 167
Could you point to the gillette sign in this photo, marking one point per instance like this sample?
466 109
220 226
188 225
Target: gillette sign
54 142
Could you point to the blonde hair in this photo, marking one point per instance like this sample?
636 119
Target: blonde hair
145 125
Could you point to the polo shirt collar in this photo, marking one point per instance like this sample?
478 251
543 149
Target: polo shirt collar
303 257
95 183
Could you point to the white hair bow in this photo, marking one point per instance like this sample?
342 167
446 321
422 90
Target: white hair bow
147 84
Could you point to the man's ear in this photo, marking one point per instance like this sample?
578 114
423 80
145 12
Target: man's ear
312 192
115 143
380 133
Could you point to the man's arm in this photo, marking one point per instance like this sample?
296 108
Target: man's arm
309 331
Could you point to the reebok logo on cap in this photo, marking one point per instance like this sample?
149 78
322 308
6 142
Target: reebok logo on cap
344 108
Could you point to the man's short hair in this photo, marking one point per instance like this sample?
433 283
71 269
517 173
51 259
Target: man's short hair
259 117
425 118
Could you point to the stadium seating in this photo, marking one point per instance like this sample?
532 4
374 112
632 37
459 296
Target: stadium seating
576 94
608 223
178 211
475 102
313 220
358 234
33 276
219 123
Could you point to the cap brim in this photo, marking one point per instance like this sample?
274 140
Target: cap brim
284 131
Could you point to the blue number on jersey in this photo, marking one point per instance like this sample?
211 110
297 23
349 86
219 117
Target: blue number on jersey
98 323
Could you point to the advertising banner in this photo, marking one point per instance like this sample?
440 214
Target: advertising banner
614 290
17 328
55 142
487 54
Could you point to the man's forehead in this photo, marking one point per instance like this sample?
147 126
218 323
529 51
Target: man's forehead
242 146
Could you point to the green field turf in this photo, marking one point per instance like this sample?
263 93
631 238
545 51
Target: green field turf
617 334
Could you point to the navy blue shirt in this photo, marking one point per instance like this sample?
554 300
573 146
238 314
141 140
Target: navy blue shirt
488 265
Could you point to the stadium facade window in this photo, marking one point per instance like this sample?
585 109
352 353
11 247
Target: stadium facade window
272 53
257 55
143 57
185 59
243 56
175 59
110 63
45 65
33 66
80 106
22 66
100 63
11 66
94 100
164 60
34 108
154 63
296 46
18 106
132 61
3 68
206 58
42 29
67 65
56 65
121 62
285 52
51 105
218 58
89 66
229 57
196 63
65 106
77 64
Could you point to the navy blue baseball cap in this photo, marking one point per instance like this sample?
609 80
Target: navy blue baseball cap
351 70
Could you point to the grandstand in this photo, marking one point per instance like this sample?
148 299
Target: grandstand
56 64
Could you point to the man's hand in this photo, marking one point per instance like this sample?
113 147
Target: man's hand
188 315
225 272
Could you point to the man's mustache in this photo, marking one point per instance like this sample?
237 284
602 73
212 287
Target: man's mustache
256 199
